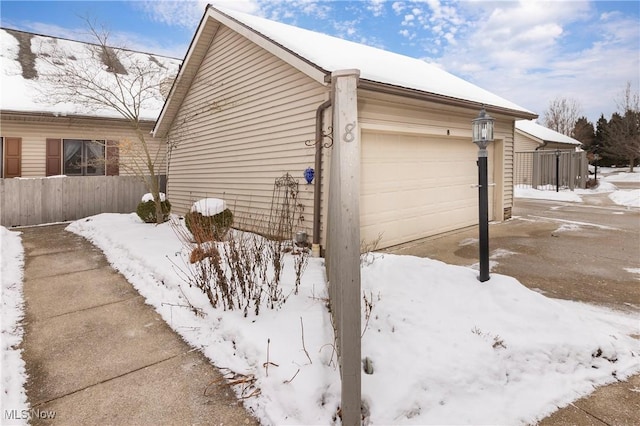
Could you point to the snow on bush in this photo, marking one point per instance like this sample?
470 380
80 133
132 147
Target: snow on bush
149 197
209 206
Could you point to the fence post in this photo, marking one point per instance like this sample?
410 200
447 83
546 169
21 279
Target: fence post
343 242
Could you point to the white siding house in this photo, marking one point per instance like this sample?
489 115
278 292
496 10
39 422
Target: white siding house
254 95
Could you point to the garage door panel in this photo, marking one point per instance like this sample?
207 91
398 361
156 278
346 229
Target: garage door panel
414 186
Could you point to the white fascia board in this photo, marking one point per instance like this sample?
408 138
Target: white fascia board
187 72
313 71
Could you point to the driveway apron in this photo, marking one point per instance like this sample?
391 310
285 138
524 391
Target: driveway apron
95 353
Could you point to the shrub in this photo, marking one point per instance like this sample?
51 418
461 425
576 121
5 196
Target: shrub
147 211
208 228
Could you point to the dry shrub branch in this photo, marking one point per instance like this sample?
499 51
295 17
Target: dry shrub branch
243 272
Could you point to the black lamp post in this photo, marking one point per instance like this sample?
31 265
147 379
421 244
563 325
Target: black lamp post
595 157
557 170
482 134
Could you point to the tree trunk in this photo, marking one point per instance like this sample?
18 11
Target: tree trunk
155 191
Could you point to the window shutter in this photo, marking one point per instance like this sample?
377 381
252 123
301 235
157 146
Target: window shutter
12 157
113 158
54 157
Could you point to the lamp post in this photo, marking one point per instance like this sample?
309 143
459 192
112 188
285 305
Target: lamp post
595 156
482 134
557 170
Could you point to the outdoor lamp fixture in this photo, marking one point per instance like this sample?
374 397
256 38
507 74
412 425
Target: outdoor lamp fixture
482 134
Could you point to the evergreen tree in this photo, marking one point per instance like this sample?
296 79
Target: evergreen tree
585 133
623 135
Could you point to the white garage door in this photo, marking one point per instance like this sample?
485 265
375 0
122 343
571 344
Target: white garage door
415 186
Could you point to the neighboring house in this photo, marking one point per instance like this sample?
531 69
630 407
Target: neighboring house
251 92
535 161
39 138
530 136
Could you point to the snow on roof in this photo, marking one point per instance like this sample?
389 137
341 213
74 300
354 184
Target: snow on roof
534 129
331 54
23 60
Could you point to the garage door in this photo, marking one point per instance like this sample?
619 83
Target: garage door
415 186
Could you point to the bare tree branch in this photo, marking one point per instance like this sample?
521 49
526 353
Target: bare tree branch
562 114
111 81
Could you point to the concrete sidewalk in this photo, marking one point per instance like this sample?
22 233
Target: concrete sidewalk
95 353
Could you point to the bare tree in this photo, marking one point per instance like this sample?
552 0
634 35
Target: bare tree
562 115
623 131
103 79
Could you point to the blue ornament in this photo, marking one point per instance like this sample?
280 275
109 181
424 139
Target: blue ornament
308 174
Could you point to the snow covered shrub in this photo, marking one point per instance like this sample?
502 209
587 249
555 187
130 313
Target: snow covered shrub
146 210
209 220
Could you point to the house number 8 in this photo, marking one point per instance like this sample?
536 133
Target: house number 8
348 132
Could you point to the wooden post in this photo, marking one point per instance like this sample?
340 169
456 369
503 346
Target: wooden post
344 247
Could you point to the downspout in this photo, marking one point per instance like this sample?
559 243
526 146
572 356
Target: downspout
544 143
317 207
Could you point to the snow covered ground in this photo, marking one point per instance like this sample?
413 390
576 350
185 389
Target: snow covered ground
13 376
622 197
444 348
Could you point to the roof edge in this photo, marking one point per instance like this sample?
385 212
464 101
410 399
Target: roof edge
160 129
320 73
91 43
12 114
529 135
448 100
221 18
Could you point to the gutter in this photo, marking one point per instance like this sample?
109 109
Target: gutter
317 208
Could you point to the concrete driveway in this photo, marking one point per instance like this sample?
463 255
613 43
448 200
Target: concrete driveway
575 251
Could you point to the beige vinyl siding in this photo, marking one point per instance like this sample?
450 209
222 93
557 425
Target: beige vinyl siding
524 143
382 112
35 133
504 130
242 125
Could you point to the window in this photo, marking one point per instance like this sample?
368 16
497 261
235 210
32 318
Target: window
83 157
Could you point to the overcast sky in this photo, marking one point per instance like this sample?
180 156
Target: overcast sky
526 51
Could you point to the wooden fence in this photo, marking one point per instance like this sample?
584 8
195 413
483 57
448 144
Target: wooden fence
537 169
35 201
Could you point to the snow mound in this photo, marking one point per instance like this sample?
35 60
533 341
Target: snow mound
450 350
563 195
603 187
209 206
623 177
626 198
